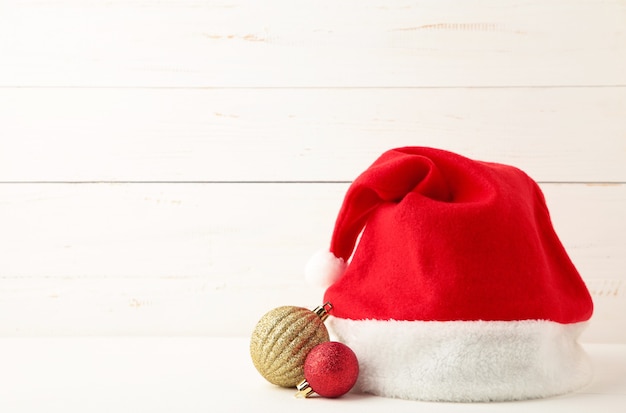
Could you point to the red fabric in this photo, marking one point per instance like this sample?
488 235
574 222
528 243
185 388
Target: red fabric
449 238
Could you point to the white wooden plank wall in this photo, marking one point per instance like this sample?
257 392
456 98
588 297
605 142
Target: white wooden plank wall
167 167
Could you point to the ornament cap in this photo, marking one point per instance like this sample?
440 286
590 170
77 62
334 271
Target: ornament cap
323 310
304 390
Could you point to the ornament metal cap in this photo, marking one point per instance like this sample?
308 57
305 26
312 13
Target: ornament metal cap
304 390
323 310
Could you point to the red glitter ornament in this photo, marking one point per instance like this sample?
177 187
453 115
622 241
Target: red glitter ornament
330 370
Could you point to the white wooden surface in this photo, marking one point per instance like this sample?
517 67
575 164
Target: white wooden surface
343 43
167 167
293 134
211 374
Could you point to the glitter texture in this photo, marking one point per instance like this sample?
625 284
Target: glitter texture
281 341
331 369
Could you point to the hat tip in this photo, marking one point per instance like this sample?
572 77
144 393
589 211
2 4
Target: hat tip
323 269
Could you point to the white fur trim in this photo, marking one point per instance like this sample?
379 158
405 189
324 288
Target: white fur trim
465 360
323 269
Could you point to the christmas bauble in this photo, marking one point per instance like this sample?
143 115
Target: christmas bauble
330 370
283 338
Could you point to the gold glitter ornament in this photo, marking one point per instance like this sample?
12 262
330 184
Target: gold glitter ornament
283 338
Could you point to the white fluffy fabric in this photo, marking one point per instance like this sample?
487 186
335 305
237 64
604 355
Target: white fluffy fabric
323 269
465 361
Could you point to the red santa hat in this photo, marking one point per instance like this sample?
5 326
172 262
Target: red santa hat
459 289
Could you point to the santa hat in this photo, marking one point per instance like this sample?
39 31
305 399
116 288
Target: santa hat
459 289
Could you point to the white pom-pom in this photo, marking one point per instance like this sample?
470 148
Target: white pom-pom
323 269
